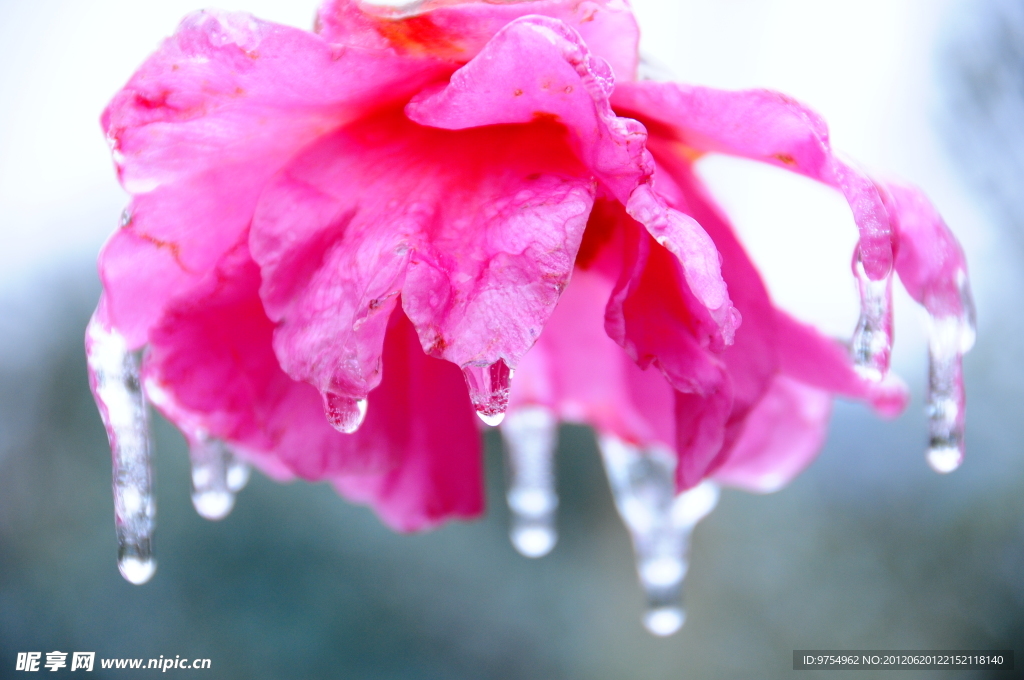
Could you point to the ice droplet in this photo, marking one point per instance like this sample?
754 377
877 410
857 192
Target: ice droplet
659 521
345 414
114 376
871 345
239 473
488 390
212 494
530 436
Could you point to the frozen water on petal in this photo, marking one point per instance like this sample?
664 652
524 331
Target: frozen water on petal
530 436
114 374
489 386
871 345
212 495
345 414
659 521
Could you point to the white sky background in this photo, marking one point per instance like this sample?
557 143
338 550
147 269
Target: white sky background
865 65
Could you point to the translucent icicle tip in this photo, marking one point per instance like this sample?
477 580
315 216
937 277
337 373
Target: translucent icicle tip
345 414
136 569
533 540
213 504
489 387
664 621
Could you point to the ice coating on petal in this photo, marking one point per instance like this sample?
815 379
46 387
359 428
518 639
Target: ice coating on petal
458 30
770 127
202 126
211 366
539 68
114 378
488 390
477 230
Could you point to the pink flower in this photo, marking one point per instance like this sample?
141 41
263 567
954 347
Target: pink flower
364 220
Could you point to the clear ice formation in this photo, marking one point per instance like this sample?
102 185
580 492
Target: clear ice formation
489 386
114 375
531 436
216 477
660 523
871 345
345 414
949 338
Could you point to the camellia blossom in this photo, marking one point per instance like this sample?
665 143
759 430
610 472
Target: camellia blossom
341 244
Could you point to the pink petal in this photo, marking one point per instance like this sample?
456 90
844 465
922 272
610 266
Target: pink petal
421 405
929 261
824 363
458 30
539 68
477 229
583 376
202 126
650 315
780 437
211 366
769 127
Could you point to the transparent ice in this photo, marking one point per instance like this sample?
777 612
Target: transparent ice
216 476
949 338
114 373
660 522
871 345
345 414
530 436
488 390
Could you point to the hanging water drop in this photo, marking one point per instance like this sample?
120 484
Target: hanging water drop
345 414
871 345
212 494
489 386
530 436
659 521
114 375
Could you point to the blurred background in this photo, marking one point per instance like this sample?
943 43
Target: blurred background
867 549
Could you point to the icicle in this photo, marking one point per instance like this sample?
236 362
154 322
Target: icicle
238 473
488 389
871 345
949 338
344 413
530 436
660 523
212 462
114 373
